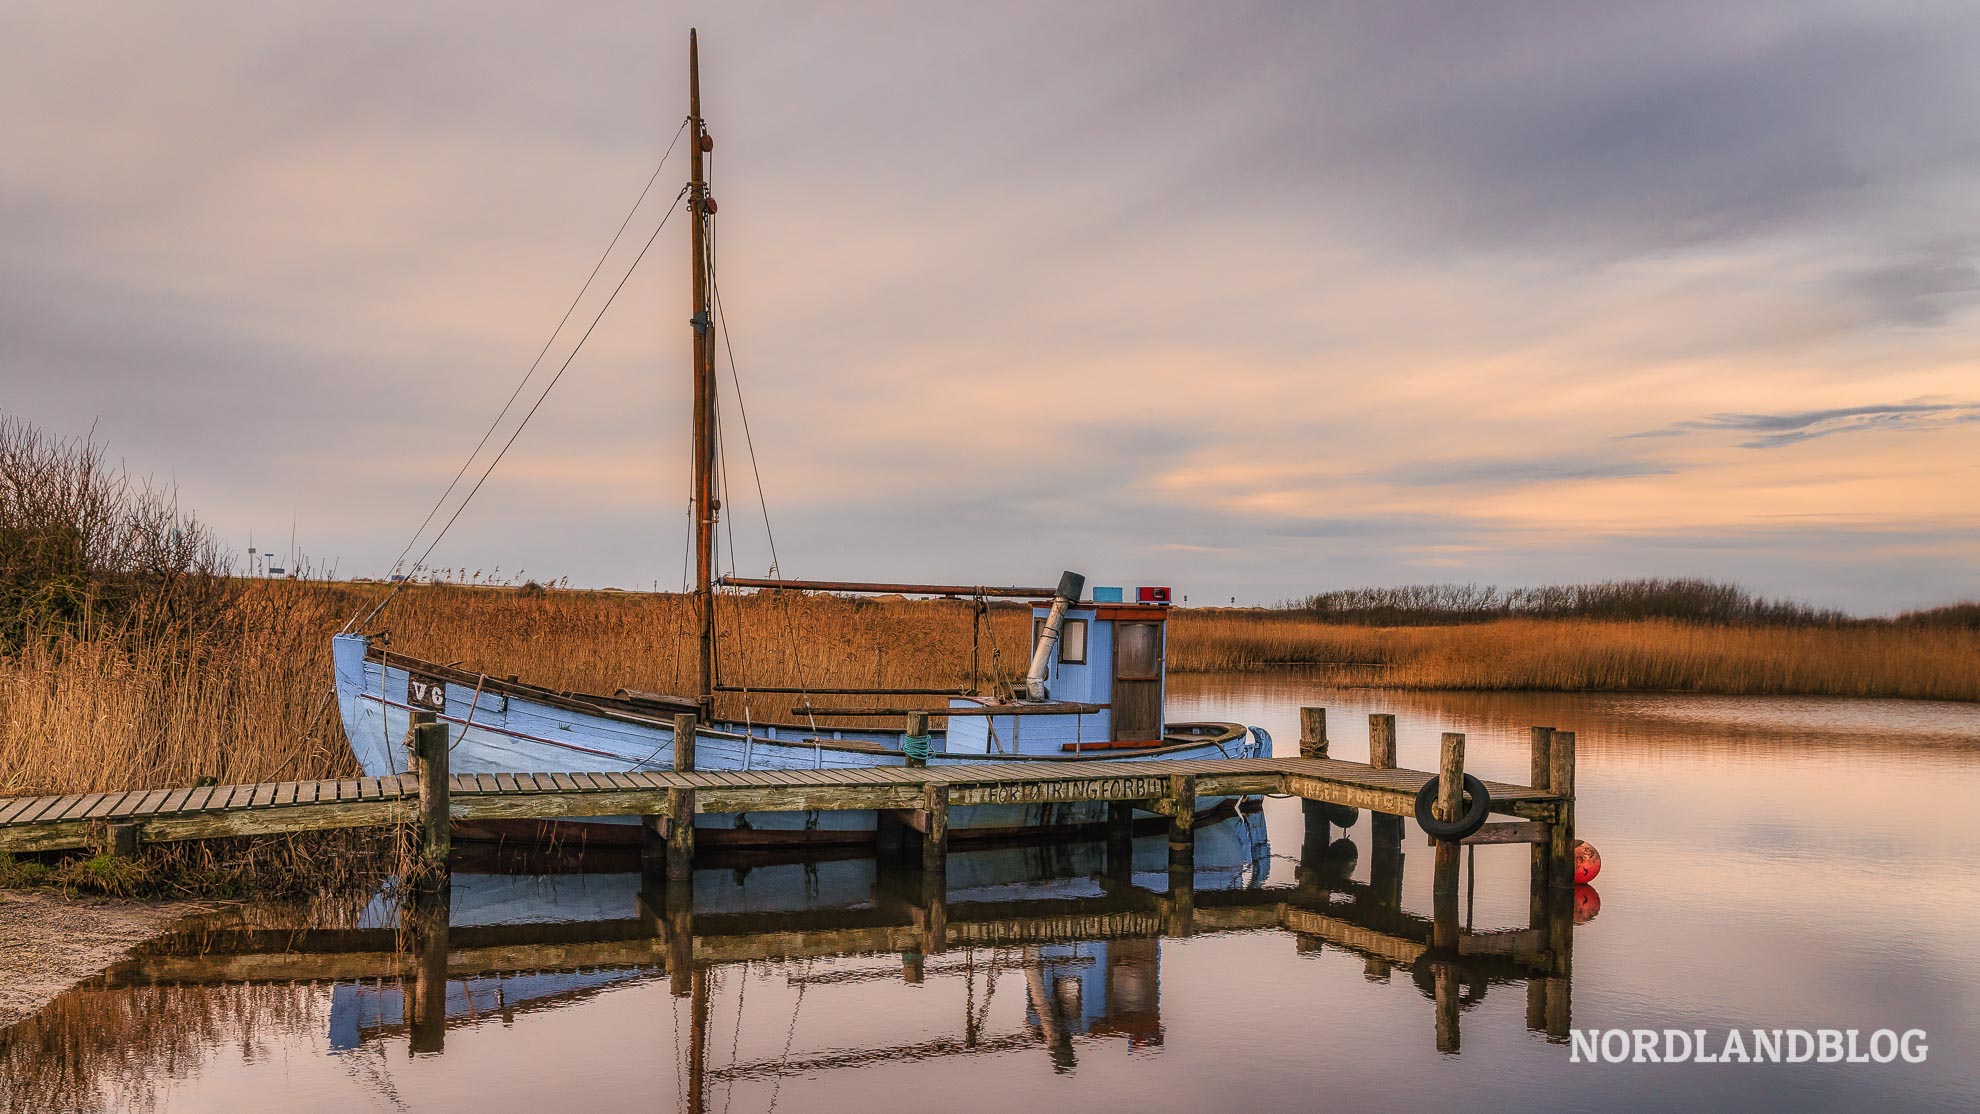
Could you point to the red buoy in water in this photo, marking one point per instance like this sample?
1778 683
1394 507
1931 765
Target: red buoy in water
1587 862
1587 903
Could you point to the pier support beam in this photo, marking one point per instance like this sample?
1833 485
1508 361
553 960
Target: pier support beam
436 824
1560 780
931 914
678 903
653 844
1313 732
1317 815
117 839
1385 830
889 836
1450 803
425 917
1540 776
656 843
917 727
935 833
417 718
1120 838
1548 996
1445 975
680 835
1181 807
684 742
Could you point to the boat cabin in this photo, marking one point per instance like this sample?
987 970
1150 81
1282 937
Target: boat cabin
1110 657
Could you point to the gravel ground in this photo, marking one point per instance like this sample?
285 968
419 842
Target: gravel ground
50 942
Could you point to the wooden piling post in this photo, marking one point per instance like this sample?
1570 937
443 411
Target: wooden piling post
1382 741
1540 775
119 840
888 836
935 840
684 742
656 832
1120 837
426 915
1182 821
1446 976
1385 831
917 727
1313 732
679 901
123 840
1316 816
1450 803
435 819
653 843
411 742
680 835
931 915
1179 902
1549 999
1560 781
1559 993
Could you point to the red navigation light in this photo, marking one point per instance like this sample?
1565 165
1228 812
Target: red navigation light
1151 595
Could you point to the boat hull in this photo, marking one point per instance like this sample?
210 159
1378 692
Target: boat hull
511 728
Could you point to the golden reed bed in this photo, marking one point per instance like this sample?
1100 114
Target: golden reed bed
1868 659
252 702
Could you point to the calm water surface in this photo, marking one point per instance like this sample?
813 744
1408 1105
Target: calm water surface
1768 863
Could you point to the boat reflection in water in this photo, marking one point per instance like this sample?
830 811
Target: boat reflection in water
751 906
1077 934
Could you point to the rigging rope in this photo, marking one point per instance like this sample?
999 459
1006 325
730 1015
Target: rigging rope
534 364
524 423
804 980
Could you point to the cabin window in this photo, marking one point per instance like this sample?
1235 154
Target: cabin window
1072 639
1072 642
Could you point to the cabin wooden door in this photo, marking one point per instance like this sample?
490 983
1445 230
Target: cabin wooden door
1137 681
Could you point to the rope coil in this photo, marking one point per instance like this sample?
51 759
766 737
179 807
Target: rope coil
915 747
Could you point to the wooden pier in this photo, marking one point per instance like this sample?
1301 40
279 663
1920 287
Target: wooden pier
912 799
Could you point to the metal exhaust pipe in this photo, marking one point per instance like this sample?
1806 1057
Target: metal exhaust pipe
1071 584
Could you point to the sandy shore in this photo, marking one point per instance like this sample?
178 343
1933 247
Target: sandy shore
49 942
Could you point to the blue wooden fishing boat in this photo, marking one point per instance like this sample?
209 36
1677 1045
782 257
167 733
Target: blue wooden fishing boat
1094 689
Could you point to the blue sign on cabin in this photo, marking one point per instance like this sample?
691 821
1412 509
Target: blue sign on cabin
1106 595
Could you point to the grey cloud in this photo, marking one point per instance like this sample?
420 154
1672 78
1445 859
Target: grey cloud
1790 428
1920 289
1515 471
1621 129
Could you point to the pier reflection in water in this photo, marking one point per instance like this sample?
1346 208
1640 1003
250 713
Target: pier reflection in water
1074 934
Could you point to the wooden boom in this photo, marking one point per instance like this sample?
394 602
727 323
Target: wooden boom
889 589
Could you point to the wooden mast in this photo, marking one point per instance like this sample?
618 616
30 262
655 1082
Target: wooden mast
705 506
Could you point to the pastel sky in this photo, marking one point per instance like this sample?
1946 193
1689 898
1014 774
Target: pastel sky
1249 299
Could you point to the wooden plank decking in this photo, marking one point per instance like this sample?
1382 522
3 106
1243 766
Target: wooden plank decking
79 820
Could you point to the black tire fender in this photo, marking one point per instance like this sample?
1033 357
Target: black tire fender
1450 831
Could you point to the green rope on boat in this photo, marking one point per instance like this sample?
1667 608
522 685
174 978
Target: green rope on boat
915 747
